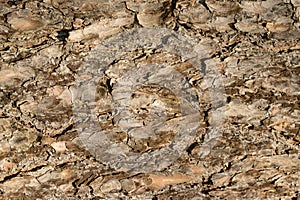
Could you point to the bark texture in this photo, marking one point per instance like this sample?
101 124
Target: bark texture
48 47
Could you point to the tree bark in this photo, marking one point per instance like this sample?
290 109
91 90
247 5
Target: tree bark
166 99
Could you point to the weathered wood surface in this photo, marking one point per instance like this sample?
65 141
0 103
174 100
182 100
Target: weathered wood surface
252 45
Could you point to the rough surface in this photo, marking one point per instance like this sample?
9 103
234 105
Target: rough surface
253 46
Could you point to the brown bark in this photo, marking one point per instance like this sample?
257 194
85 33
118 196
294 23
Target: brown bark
253 46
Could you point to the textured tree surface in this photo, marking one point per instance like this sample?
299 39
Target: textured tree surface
136 99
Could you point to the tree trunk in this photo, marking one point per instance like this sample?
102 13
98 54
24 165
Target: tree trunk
166 99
